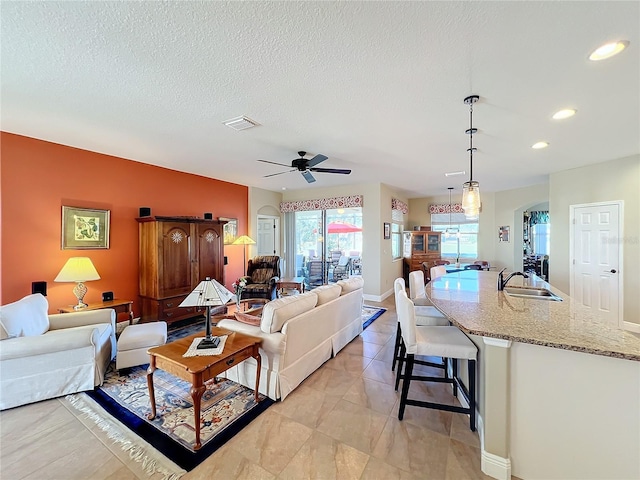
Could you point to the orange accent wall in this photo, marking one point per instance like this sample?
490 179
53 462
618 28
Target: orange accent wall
37 178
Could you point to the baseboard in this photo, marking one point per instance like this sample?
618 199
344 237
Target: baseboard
495 466
631 327
378 298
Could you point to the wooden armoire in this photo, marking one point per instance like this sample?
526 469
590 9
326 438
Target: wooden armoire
420 246
175 255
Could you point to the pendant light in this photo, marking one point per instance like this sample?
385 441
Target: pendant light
450 231
471 189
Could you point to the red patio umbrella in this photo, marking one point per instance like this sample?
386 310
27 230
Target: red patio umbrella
342 227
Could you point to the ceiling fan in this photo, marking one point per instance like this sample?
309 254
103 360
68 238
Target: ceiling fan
306 166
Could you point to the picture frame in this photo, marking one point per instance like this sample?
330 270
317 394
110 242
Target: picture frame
503 233
85 228
387 231
230 230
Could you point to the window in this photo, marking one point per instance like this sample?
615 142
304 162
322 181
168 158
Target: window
463 242
397 225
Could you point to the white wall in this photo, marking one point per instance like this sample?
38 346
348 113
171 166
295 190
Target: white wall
612 180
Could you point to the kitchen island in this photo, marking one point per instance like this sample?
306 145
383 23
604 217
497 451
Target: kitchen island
559 389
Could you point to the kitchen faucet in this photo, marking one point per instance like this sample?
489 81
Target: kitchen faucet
502 282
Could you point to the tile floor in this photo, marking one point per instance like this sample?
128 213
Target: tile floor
340 423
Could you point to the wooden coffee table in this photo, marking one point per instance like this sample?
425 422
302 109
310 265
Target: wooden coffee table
197 370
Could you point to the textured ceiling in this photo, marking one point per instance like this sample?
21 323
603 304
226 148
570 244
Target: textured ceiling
378 87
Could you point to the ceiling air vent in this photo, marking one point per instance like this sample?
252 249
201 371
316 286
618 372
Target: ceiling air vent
241 123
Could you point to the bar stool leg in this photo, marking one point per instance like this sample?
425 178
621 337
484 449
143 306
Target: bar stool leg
401 360
408 371
396 349
454 362
472 395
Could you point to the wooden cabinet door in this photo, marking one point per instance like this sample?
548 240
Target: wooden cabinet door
209 240
174 267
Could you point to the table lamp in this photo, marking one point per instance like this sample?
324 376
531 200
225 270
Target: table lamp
79 270
244 240
209 293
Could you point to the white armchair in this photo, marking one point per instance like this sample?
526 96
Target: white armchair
44 356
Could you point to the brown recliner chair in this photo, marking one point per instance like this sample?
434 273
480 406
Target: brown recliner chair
262 274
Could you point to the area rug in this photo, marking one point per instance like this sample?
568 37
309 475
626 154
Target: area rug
369 314
226 408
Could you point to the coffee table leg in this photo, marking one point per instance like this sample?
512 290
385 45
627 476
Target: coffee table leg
152 395
196 394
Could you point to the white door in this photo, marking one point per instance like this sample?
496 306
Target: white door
596 280
268 235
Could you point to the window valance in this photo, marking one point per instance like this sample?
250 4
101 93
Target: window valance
321 204
399 205
444 208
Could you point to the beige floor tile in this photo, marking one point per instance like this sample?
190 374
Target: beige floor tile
21 424
380 326
377 396
347 362
438 421
323 457
377 469
359 347
306 405
461 432
386 352
227 463
376 337
413 448
463 462
380 371
271 441
330 381
123 473
354 425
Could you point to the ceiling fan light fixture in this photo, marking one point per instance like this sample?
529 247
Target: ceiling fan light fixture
608 50
471 189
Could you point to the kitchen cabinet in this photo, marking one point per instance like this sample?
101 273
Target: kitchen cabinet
175 254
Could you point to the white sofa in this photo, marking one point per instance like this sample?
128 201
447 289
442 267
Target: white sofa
44 356
299 333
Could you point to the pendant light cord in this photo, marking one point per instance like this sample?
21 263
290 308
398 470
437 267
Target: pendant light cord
471 142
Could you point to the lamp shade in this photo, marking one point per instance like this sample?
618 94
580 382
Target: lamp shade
208 293
471 198
244 240
77 269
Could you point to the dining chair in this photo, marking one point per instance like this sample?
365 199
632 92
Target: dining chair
438 271
428 341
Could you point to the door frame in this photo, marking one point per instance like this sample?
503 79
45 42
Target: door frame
572 261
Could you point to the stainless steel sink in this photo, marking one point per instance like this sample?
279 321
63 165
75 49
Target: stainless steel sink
530 292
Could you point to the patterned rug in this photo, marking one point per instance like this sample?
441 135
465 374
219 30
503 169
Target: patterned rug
369 314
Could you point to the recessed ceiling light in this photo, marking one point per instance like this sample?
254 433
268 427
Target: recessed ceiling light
565 113
540 145
453 174
608 50
284 188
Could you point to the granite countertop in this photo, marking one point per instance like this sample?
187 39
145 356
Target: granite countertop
471 300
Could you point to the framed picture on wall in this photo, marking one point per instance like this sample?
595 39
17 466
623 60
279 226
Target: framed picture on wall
85 228
230 230
387 231
503 233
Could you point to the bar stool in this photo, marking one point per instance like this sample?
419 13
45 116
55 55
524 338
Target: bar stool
423 317
418 295
446 342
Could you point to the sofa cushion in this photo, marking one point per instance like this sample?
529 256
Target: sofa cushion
262 275
25 318
351 284
277 312
327 293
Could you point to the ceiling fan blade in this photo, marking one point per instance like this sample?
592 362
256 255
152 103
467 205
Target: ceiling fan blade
279 173
331 170
308 177
275 163
316 160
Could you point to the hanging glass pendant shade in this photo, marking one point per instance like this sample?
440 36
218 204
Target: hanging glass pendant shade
471 189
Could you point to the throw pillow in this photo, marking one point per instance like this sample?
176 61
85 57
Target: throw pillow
25 318
246 318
